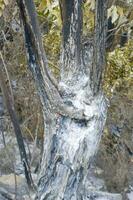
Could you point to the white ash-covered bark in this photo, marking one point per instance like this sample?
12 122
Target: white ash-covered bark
70 144
71 60
73 116
69 147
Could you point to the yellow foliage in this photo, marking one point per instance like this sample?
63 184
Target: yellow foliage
119 67
88 19
52 46
50 13
42 5
3 3
119 61
120 10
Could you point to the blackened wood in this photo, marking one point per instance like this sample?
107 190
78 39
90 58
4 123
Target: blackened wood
71 14
99 44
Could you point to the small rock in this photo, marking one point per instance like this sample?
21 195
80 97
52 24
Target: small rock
8 183
130 195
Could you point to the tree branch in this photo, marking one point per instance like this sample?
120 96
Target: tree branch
17 129
71 14
48 92
99 44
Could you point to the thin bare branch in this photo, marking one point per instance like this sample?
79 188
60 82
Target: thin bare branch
17 129
8 78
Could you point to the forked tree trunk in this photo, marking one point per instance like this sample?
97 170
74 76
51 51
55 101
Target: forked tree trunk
70 144
75 110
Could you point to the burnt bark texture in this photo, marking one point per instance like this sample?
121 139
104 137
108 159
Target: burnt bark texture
75 108
99 44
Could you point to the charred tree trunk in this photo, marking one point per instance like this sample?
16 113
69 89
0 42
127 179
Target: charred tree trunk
75 109
71 143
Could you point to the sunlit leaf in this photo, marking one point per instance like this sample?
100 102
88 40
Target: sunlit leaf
112 12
